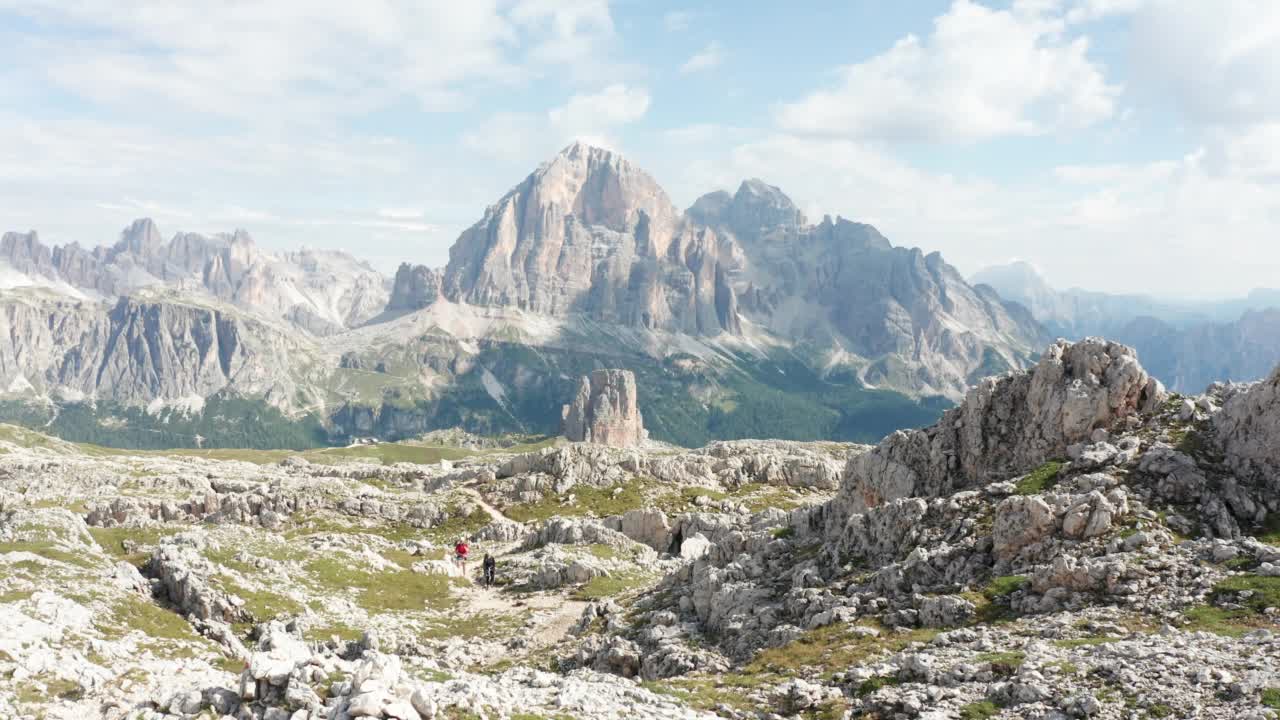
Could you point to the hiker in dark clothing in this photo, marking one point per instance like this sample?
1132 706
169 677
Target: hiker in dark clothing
490 569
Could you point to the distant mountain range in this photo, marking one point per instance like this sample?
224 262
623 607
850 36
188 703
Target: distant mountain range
1187 344
739 317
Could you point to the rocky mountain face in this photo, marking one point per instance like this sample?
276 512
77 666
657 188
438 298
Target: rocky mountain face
738 317
147 349
1194 357
604 410
1187 345
1069 542
1077 313
589 233
321 292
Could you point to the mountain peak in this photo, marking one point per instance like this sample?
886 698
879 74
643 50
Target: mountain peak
597 186
757 204
142 237
582 150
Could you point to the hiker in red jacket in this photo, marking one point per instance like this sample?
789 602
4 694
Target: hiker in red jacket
460 551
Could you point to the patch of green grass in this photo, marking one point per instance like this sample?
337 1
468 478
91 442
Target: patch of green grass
602 551
48 550
387 591
226 554
690 494
1254 594
49 688
1270 531
709 692
1003 663
587 500
1160 710
831 649
342 631
1271 698
265 605
758 497
991 604
873 684
77 506
1191 441
1084 641
485 625
389 453
1239 563
783 532
1038 480
1264 592
1004 586
607 586
10 596
141 541
134 613
979 710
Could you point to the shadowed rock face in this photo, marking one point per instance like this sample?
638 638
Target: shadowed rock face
1248 429
605 410
415 287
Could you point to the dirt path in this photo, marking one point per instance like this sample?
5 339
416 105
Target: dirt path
492 511
552 613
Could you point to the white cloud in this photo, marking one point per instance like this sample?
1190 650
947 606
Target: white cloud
572 30
703 133
1249 152
1218 62
505 134
1090 10
300 62
1168 227
981 73
588 114
529 138
401 213
709 57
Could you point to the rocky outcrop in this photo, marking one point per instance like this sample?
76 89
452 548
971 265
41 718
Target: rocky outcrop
1248 429
1005 426
605 410
415 287
183 577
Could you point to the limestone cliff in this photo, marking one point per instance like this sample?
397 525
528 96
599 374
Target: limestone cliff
605 410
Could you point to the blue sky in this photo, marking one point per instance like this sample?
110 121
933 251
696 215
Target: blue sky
1116 144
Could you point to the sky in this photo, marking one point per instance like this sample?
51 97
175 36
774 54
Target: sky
1118 145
